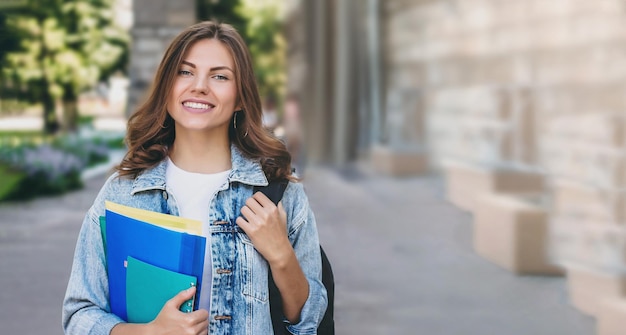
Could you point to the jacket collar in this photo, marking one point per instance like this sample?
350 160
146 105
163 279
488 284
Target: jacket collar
244 170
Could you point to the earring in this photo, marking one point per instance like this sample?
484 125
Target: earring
235 122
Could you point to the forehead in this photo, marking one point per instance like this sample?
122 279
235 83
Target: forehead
209 53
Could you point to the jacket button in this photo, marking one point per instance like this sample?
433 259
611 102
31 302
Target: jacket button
165 195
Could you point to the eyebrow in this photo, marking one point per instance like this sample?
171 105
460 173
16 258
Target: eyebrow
216 68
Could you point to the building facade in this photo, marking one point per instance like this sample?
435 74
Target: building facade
519 99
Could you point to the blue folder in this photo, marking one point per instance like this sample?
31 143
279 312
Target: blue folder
162 247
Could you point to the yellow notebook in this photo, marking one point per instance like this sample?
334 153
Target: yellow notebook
168 221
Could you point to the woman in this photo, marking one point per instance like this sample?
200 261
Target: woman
195 146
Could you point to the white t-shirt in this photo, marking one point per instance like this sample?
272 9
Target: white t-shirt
193 193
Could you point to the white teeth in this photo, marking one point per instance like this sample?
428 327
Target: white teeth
196 105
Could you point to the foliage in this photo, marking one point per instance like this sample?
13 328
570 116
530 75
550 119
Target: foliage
222 11
65 48
47 170
34 164
267 45
87 151
11 178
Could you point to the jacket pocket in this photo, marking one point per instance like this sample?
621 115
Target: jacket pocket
254 270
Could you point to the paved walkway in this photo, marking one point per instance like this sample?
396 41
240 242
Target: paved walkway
404 264
402 258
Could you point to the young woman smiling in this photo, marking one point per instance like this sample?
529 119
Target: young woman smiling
197 148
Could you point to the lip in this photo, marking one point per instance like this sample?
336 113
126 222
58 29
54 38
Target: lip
195 110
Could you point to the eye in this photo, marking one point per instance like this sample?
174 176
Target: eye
220 77
184 73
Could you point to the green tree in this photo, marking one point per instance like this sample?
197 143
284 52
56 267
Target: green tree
267 45
226 11
66 47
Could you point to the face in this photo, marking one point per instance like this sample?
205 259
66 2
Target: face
204 93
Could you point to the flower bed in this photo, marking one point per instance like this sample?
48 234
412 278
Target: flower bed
32 168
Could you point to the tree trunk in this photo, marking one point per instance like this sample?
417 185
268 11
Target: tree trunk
50 122
70 110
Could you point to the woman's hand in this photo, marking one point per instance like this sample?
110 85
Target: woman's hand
170 321
266 225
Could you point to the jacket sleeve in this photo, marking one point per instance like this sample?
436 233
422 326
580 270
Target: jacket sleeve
305 240
85 306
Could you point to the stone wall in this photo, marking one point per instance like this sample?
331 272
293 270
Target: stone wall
529 85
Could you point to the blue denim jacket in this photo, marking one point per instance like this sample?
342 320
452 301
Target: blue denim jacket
240 302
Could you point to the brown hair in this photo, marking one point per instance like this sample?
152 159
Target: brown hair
150 130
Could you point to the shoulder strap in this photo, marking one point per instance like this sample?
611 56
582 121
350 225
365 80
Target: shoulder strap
274 190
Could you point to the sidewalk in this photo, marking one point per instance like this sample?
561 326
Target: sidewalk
403 264
401 255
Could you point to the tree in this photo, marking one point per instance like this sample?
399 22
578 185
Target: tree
66 47
268 45
222 11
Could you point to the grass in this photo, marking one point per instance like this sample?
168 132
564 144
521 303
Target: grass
9 179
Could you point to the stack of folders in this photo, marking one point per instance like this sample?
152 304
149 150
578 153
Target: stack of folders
150 257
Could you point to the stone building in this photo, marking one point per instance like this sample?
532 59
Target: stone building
519 105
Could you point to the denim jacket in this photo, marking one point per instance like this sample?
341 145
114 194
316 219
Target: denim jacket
240 302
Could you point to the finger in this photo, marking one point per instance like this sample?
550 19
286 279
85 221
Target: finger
243 224
203 327
247 213
199 317
254 205
181 297
263 200
203 314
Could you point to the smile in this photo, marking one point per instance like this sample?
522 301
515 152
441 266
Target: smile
196 105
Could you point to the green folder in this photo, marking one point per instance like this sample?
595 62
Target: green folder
149 287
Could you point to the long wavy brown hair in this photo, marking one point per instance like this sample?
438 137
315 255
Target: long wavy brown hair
150 130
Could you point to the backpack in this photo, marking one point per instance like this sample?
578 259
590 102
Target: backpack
274 191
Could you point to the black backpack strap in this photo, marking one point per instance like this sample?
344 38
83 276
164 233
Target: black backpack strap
327 325
275 191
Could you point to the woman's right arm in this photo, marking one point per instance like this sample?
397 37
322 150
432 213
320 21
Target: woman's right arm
86 307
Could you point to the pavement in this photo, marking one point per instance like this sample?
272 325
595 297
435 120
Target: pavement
401 255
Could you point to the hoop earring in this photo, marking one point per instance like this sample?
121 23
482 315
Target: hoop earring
235 122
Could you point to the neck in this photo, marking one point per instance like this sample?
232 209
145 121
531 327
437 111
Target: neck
200 153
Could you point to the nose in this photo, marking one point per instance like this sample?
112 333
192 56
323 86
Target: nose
200 85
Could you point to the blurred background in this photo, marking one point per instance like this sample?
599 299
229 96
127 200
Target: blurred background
489 131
